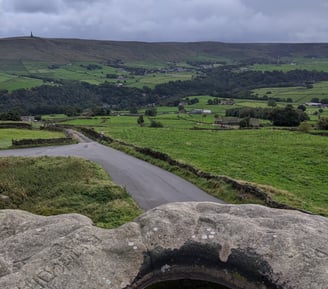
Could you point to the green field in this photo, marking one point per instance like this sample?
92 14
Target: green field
6 135
14 75
292 162
50 186
12 82
319 64
299 95
151 80
288 161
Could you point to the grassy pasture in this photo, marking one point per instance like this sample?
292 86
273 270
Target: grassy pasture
4 77
287 161
13 82
299 95
147 64
36 66
171 120
319 64
292 162
153 79
50 186
6 135
14 75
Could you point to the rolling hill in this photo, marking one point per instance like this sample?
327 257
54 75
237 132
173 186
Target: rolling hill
70 50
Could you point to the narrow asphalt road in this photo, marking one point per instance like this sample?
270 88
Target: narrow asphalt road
149 185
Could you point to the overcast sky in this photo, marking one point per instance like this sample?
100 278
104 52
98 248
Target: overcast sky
168 20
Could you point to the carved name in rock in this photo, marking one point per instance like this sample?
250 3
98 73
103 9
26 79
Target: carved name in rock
245 246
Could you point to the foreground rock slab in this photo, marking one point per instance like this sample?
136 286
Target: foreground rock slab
246 246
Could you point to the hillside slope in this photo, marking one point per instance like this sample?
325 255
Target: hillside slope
66 50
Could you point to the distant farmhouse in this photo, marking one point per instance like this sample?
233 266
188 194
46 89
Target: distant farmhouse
316 104
28 118
229 101
200 111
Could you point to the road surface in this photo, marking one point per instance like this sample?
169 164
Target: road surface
149 185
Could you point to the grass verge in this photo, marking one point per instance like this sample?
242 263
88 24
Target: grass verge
51 186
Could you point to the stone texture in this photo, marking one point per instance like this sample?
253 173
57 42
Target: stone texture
244 246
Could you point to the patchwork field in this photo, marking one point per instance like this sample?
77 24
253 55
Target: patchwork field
15 74
299 95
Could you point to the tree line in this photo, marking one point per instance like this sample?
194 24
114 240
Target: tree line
227 82
231 82
287 116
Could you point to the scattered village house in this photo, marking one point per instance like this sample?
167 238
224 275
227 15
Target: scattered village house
227 101
317 104
28 118
200 111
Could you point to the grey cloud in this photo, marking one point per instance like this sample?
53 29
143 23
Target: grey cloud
169 20
32 6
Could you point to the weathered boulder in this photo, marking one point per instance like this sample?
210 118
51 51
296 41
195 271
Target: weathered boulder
246 246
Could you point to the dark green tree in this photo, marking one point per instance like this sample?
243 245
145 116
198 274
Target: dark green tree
302 107
151 111
133 110
288 116
272 103
323 123
140 120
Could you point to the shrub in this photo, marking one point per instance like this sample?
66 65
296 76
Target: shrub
154 123
323 123
244 122
305 126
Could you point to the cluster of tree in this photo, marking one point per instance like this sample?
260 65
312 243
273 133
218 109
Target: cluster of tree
197 62
151 111
72 96
254 112
91 66
230 82
111 75
100 110
287 116
213 101
13 115
192 101
136 70
318 100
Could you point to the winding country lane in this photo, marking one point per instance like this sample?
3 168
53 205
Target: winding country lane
149 185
